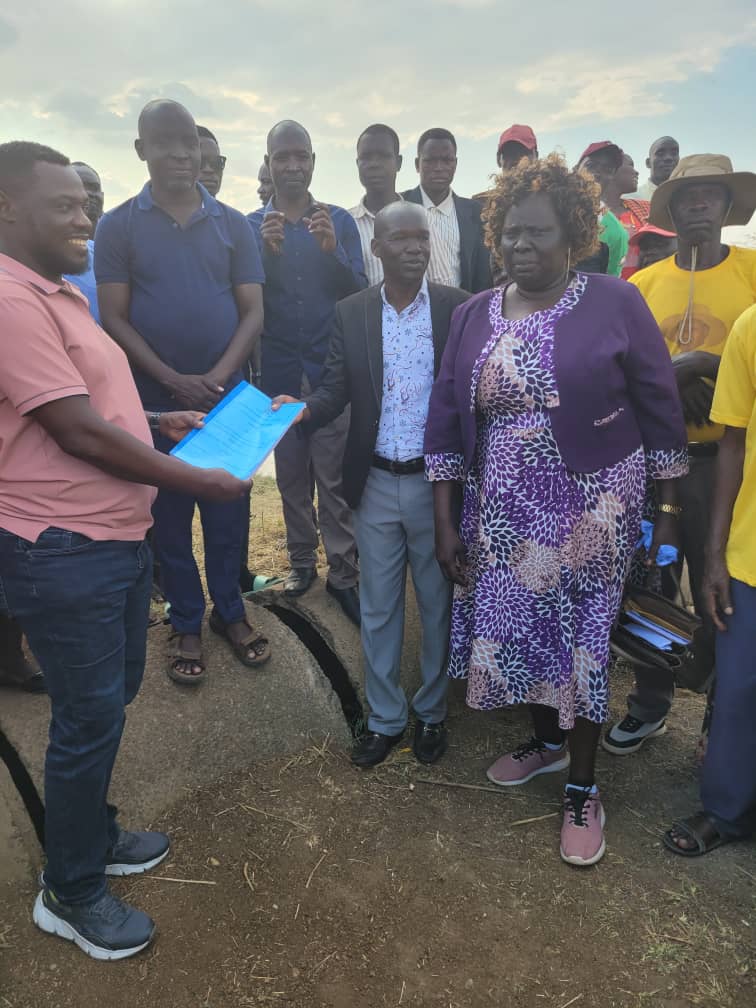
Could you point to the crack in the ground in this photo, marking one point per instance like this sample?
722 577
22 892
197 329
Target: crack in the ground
329 663
24 785
325 657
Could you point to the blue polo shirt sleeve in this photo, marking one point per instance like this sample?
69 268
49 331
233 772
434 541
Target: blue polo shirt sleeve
111 251
246 262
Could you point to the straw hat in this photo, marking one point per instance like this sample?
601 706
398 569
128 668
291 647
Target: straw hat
706 168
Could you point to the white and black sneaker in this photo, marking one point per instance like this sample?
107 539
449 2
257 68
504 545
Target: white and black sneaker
628 735
136 852
106 929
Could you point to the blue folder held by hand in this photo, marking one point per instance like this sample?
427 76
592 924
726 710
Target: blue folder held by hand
239 433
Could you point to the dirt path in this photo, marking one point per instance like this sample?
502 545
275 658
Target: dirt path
333 888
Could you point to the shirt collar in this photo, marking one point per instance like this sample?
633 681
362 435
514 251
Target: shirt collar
362 211
423 295
445 206
209 206
20 272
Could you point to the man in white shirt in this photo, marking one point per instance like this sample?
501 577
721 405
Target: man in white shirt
662 160
458 256
378 164
386 348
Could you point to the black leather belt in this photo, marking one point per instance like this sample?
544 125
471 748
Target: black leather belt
703 449
415 465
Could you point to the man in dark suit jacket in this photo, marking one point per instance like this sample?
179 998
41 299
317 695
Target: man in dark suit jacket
458 255
385 351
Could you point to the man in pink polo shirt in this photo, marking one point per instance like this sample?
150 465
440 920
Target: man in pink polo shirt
77 472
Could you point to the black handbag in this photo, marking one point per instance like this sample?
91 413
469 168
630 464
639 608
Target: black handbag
690 663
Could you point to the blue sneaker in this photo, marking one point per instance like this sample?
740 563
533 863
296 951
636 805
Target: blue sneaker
106 929
134 853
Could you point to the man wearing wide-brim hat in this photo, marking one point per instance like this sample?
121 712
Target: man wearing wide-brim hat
695 296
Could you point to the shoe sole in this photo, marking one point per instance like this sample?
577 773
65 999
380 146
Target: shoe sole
51 924
579 862
122 868
628 750
562 764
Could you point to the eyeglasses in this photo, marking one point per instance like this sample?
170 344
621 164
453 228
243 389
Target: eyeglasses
214 163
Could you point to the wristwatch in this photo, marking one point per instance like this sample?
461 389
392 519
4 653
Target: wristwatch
153 419
673 509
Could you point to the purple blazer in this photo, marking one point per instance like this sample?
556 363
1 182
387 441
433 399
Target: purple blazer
617 391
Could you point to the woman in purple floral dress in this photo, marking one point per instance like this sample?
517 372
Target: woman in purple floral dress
552 390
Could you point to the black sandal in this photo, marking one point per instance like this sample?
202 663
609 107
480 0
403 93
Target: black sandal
186 656
699 828
253 641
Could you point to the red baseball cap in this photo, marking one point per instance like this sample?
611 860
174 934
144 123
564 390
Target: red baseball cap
522 135
648 229
602 145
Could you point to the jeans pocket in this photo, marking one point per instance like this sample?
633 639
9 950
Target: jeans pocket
55 541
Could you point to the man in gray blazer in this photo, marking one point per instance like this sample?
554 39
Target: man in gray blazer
385 351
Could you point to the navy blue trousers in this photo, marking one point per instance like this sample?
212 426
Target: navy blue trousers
728 784
223 532
223 528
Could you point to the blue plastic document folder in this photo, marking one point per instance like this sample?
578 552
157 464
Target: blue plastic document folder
239 433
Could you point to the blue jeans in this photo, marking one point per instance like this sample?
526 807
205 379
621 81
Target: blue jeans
84 607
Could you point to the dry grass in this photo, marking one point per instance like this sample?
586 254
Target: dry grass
267 533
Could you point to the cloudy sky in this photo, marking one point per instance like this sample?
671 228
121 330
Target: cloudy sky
75 75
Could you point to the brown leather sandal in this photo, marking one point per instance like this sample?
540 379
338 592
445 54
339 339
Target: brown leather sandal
253 641
191 655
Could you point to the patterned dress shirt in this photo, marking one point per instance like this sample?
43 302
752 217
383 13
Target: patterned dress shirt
407 378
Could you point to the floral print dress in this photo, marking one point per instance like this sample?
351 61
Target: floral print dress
548 550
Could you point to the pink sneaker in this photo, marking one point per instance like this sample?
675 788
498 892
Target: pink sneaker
582 841
528 760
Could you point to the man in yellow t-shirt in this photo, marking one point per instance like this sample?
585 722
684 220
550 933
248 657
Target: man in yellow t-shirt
695 297
728 782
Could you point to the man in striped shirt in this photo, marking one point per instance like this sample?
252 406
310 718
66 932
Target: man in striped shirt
378 164
458 256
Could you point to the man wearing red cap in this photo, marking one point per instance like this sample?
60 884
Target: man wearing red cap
603 160
516 143
649 245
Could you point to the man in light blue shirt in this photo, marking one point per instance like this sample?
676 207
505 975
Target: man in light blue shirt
86 281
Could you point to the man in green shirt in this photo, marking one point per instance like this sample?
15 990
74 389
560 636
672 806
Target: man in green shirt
603 159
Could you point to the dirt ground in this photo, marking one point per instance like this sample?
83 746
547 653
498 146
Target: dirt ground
308 883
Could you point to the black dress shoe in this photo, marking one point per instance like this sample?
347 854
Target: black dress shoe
372 748
298 580
431 741
348 599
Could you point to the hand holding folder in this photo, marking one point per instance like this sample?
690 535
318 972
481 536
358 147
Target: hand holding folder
239 433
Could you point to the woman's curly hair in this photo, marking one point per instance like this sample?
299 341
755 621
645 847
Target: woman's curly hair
575 195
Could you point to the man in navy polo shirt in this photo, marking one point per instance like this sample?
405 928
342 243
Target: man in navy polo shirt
178 281
312 257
